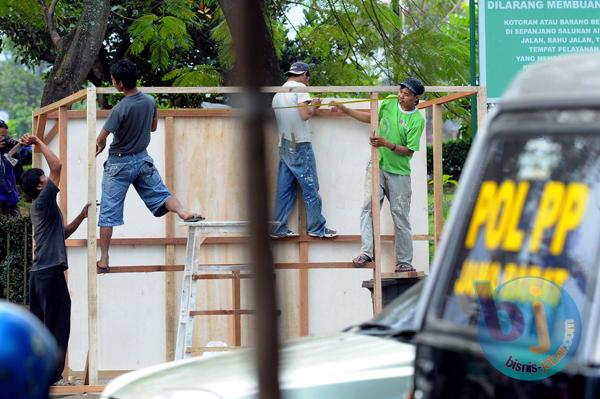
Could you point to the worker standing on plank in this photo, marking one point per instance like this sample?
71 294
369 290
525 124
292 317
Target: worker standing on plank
131 121
400 128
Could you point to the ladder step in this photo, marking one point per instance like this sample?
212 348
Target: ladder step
221 312
223 268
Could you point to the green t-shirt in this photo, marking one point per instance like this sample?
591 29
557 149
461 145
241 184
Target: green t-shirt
400 128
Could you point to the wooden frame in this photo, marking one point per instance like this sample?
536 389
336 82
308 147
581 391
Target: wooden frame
58 110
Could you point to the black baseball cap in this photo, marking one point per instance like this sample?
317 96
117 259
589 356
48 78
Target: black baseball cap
298 68
3 124
413 85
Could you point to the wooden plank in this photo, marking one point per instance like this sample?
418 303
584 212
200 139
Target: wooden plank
438 187
36 157
163 113
91 238
232 266
170 249
199 350
220 276
280 89
65 102
62 154
237 304
231 240
222 312
52 133
403 275
39 131
481 106
375 210
76 389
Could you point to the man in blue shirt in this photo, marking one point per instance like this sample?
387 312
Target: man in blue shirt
9 173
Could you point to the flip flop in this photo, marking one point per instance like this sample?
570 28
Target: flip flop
194 218
102 270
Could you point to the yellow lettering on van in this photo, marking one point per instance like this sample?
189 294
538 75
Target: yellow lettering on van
499 214
547 214
575 203
485 201
514 237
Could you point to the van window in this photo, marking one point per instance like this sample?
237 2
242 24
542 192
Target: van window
535 210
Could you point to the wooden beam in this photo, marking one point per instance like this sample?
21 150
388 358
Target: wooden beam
445 99
481 106
39 131
51 134
375 207
76 389
438 187
221 276
303 273
280 89
170 249
70 243
281 266
62 154
65 102
92 288
237 304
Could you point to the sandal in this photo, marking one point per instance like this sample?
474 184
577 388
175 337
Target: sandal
404 267
196 217
102 270
361 260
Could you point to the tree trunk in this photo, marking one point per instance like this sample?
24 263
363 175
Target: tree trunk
271 76
77 52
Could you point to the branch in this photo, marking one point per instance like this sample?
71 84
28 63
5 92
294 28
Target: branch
49 15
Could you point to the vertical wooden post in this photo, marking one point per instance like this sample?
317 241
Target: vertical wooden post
63 203
481 106
39 128
237 305
377 295
303 273
438 186
91 237
170 314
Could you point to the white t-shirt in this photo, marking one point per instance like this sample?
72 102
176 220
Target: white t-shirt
289 123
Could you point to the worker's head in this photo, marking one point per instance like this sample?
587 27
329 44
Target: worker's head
3 128
33 182
28 355
124 74
300 72
409 92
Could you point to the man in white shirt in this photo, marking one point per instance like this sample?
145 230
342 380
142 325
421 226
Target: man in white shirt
297 163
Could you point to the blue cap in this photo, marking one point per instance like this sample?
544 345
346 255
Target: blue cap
3 124
413 85
298 68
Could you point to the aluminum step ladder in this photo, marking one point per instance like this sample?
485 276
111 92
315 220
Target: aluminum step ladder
197 233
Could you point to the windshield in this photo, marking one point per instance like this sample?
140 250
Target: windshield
534 211
399 315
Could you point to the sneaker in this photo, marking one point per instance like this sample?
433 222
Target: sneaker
61 383
404 267
361 260
287 234
328 233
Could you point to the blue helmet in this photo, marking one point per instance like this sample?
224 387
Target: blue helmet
28 354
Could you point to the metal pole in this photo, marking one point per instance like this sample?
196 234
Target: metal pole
473 64
251 68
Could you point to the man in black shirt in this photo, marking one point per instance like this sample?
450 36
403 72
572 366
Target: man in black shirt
49 296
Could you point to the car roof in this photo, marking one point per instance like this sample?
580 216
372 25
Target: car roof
569 76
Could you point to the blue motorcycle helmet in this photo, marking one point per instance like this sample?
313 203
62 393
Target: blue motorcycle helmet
28 354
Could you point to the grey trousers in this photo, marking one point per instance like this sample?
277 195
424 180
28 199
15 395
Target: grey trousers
398 192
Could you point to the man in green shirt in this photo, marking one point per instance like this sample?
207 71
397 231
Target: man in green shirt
400 128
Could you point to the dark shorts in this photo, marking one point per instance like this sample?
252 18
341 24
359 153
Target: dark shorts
120 172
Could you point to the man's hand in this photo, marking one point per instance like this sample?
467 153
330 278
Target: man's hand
100 144
84 211
336 107
28 139
378 142
316 102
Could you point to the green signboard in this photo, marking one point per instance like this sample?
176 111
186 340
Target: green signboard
514 34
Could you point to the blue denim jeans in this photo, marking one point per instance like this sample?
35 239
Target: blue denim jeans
298 167
120 172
